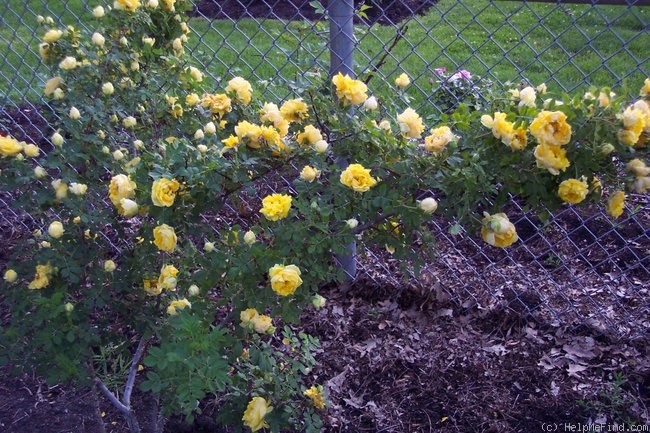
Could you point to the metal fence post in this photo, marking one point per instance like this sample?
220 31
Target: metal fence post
341 16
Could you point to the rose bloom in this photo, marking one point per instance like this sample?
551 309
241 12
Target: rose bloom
126 5
109 266
98 11
108 89
9 146
517 140
402 81
68 63
56 229
310 135
294 110
527 97
262 323
551 128
179 304
358 178
242 88
645 90
309 174
78 188
51 85
164 238
349 90
247 316
438 140
42 277
552 158
192 99
218 104
121 186
163 192
410 123
271 136
167 278
638 167
616 204
231 141
498 231
285 279
371 103
641 184
98 39
128 208
501 128
10 276
60 188
250 238
271 113
573 191
196 74
316 397
249 133
255 412
429 205
276 206
52 36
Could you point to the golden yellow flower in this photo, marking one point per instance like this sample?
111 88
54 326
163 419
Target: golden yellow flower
121 186
218 105
163 192
255 412
517 140
552 158
634 122
438 140
316 396
285 279
358 178
498 231
167 278
402 81
249 133
645 90
573 191
349 90
551 128
192 99
165 238
242 88
152 287
9 146
179 304
231 141
271 137
271 113
410 123
276 206
126 5
616 204
310 135
42 277
294 110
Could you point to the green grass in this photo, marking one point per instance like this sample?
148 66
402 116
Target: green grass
570 45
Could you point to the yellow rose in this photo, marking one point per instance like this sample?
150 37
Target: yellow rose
51 85
552 158
294 110
192 99
271 113
242 88
429 205
109 266
616 204
10 276
126 5
108 88
573 191
285 279
152 287
498 231
550 128
167 279
250 238
193 290
645 90
276 206
98 11
163 192
517 140
218 105
318 301
255 412
638 167
316 397
179 304
349 90
196 74
98 39
68 63
271 137
52 36
309 174
128 208
262 323
310 135
42 277
410 123
527 97
438 140
165 238
402 81
248 133
56 229
9 146
358 178
247 316
641 184
121 186
60 188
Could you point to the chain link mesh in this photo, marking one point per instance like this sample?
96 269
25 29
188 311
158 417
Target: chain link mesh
575 269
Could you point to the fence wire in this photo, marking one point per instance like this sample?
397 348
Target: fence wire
576 269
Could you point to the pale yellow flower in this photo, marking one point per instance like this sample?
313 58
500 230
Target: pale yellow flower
10 276
109 266
616 204
218 104
551 128
51 85
249 133
429 205
165 238
10 147
68 63
294 110
638 167
309 174
242 88
285 279
52 36
402 81
310 135
42 277
276 206
255 412
56 229
438 140
552 158
250 238
498 231
358 178
126 5
179 304
349 90
121 186
78 188
262 323
410 123
167 278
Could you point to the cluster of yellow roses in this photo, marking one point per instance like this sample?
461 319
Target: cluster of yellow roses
258 408
250 318
10 147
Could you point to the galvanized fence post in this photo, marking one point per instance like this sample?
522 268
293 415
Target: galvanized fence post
341 16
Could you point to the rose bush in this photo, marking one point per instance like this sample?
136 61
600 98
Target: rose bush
159 244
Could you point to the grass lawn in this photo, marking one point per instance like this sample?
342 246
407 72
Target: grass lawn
562 45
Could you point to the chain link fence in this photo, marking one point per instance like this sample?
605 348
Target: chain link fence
575 269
